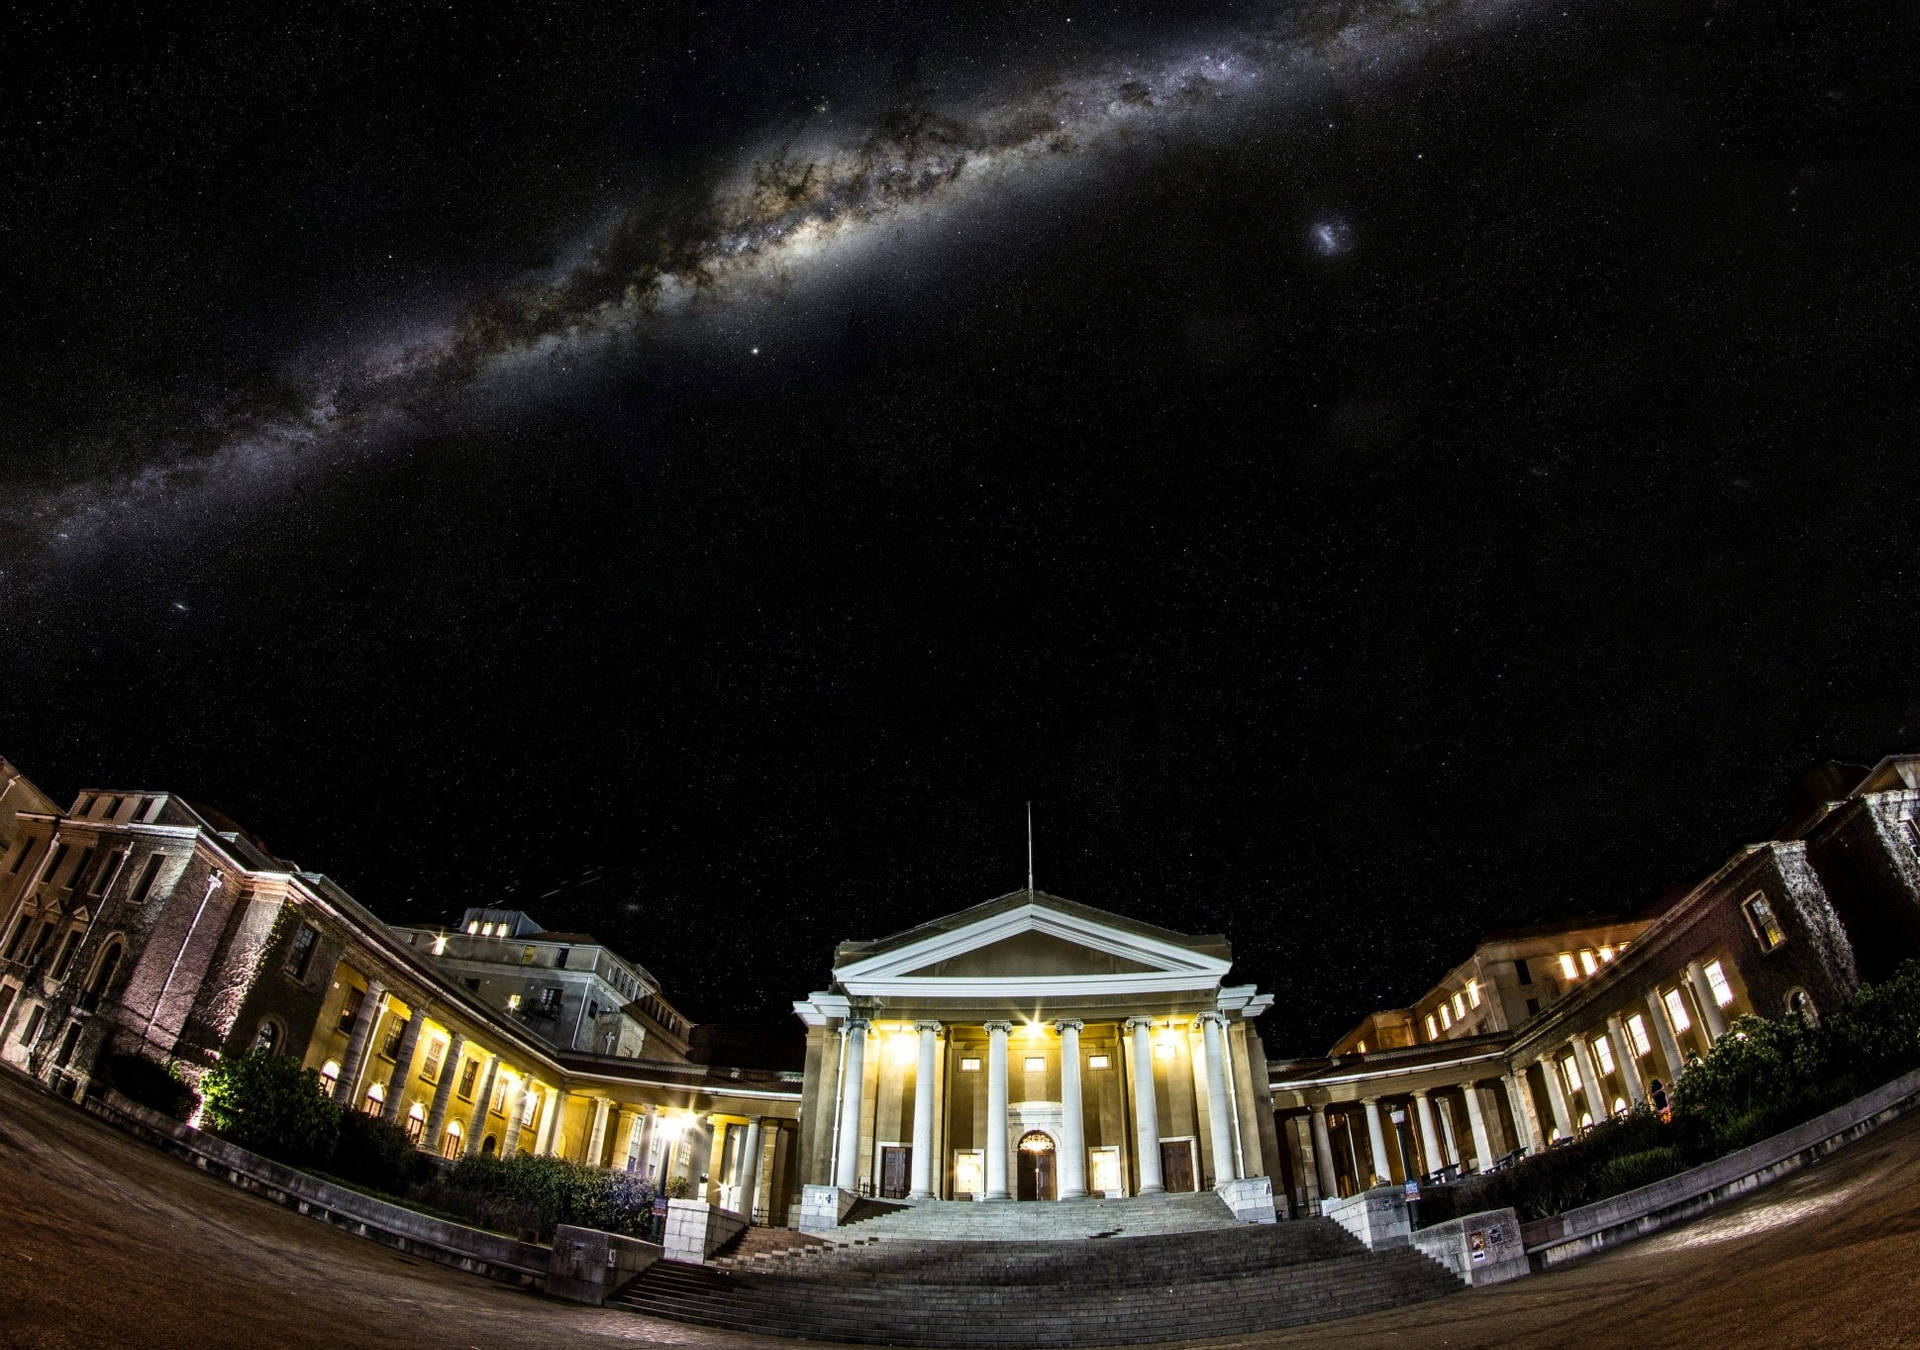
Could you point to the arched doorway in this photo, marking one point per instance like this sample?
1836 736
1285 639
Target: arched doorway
1036 1167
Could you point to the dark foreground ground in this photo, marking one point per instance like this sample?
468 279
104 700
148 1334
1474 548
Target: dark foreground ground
105 1242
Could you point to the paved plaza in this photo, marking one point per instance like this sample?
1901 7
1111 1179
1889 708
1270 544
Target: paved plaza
110 1243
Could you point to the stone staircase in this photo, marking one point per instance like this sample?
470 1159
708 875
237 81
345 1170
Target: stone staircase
1055 1221
1048 1292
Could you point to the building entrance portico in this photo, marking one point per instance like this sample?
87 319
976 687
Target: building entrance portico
1031 1047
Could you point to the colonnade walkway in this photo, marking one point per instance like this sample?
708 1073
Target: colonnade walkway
1063 1291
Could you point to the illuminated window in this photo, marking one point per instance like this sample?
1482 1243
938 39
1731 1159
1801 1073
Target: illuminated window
1637 1029
267 1037
1571 1069
1362 1047
450 1146
1603 1051
1036 1063
469 1070
969 1065
1446 1018
1800 1003
513 1003
1717 980
1766 927
330 1075
416 1122
1097 1061
473 925
1606 953
1567 967
1460 1006
350 1007
1619 1106
1473 992
395 1031
1587 963
430 1069
498 1105
1433 1031
1676 1010
376 1098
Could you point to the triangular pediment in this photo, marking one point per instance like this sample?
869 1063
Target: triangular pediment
1032 953
1031 943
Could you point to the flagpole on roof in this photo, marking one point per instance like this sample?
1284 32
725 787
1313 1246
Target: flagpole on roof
1029 845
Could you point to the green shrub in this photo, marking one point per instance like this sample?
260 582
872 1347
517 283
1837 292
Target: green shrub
1630 1171
157 1087
524 1193
268 1103
1876 1037
377 1154
1761 1077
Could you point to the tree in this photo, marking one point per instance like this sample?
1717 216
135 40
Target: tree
268 1103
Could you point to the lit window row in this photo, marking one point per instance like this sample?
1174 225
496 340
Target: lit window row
1037 1063
1588 961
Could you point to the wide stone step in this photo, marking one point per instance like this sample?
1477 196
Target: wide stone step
961 1301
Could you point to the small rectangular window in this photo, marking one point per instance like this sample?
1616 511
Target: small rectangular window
469 1070
1717 980
1473 992
495 1107
395 1033
66 954
1676 1010
1587 963
1523 971
300 956
144 886
350 1006
79 876
31 1032
1766 926
20 858
1446 1018
1571 1068
1603 1051
1912 829
1533 1006
473 925
969 1065
1637 1029
1606 953
59 856
1460 1007
436 1052
1567 966
1097 1061
560 957
1433 1030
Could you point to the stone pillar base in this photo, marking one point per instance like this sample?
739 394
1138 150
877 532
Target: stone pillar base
823 1207
1377 1217
1250 1199
1481 1248
696 1230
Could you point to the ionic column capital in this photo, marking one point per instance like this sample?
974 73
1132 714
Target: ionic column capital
999 1028
1066 1024
1216 1017
1137 1021
859 1024
932 1026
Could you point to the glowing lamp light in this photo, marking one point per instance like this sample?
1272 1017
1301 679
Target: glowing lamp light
440 945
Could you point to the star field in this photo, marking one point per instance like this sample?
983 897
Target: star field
1367 472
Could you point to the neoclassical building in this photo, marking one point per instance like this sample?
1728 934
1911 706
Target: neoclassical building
1031 1048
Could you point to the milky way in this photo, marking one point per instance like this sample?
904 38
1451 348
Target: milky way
810 203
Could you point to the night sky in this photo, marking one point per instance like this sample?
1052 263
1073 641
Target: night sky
1368 472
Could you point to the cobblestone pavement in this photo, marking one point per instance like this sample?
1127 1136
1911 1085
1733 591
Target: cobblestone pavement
106 1242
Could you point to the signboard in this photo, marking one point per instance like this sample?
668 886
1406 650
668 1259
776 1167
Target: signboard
1477 1245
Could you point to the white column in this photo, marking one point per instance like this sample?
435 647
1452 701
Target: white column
1663 1029
477 1122
1444 1109
1624 1056
1377 1137
1146 1111
516 1116
1428 1139
1709 1007
1525 1117
551 1135
747 1183
1589 1079
1323 1155
1557 1097
597 1136
1477 1121
997 1110
443 1093
922 1188
1073 1131
359 1045
644 1125
1219 1121
846 1172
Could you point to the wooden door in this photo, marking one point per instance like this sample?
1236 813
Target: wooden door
1176 1165
896 1163
1036 1172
